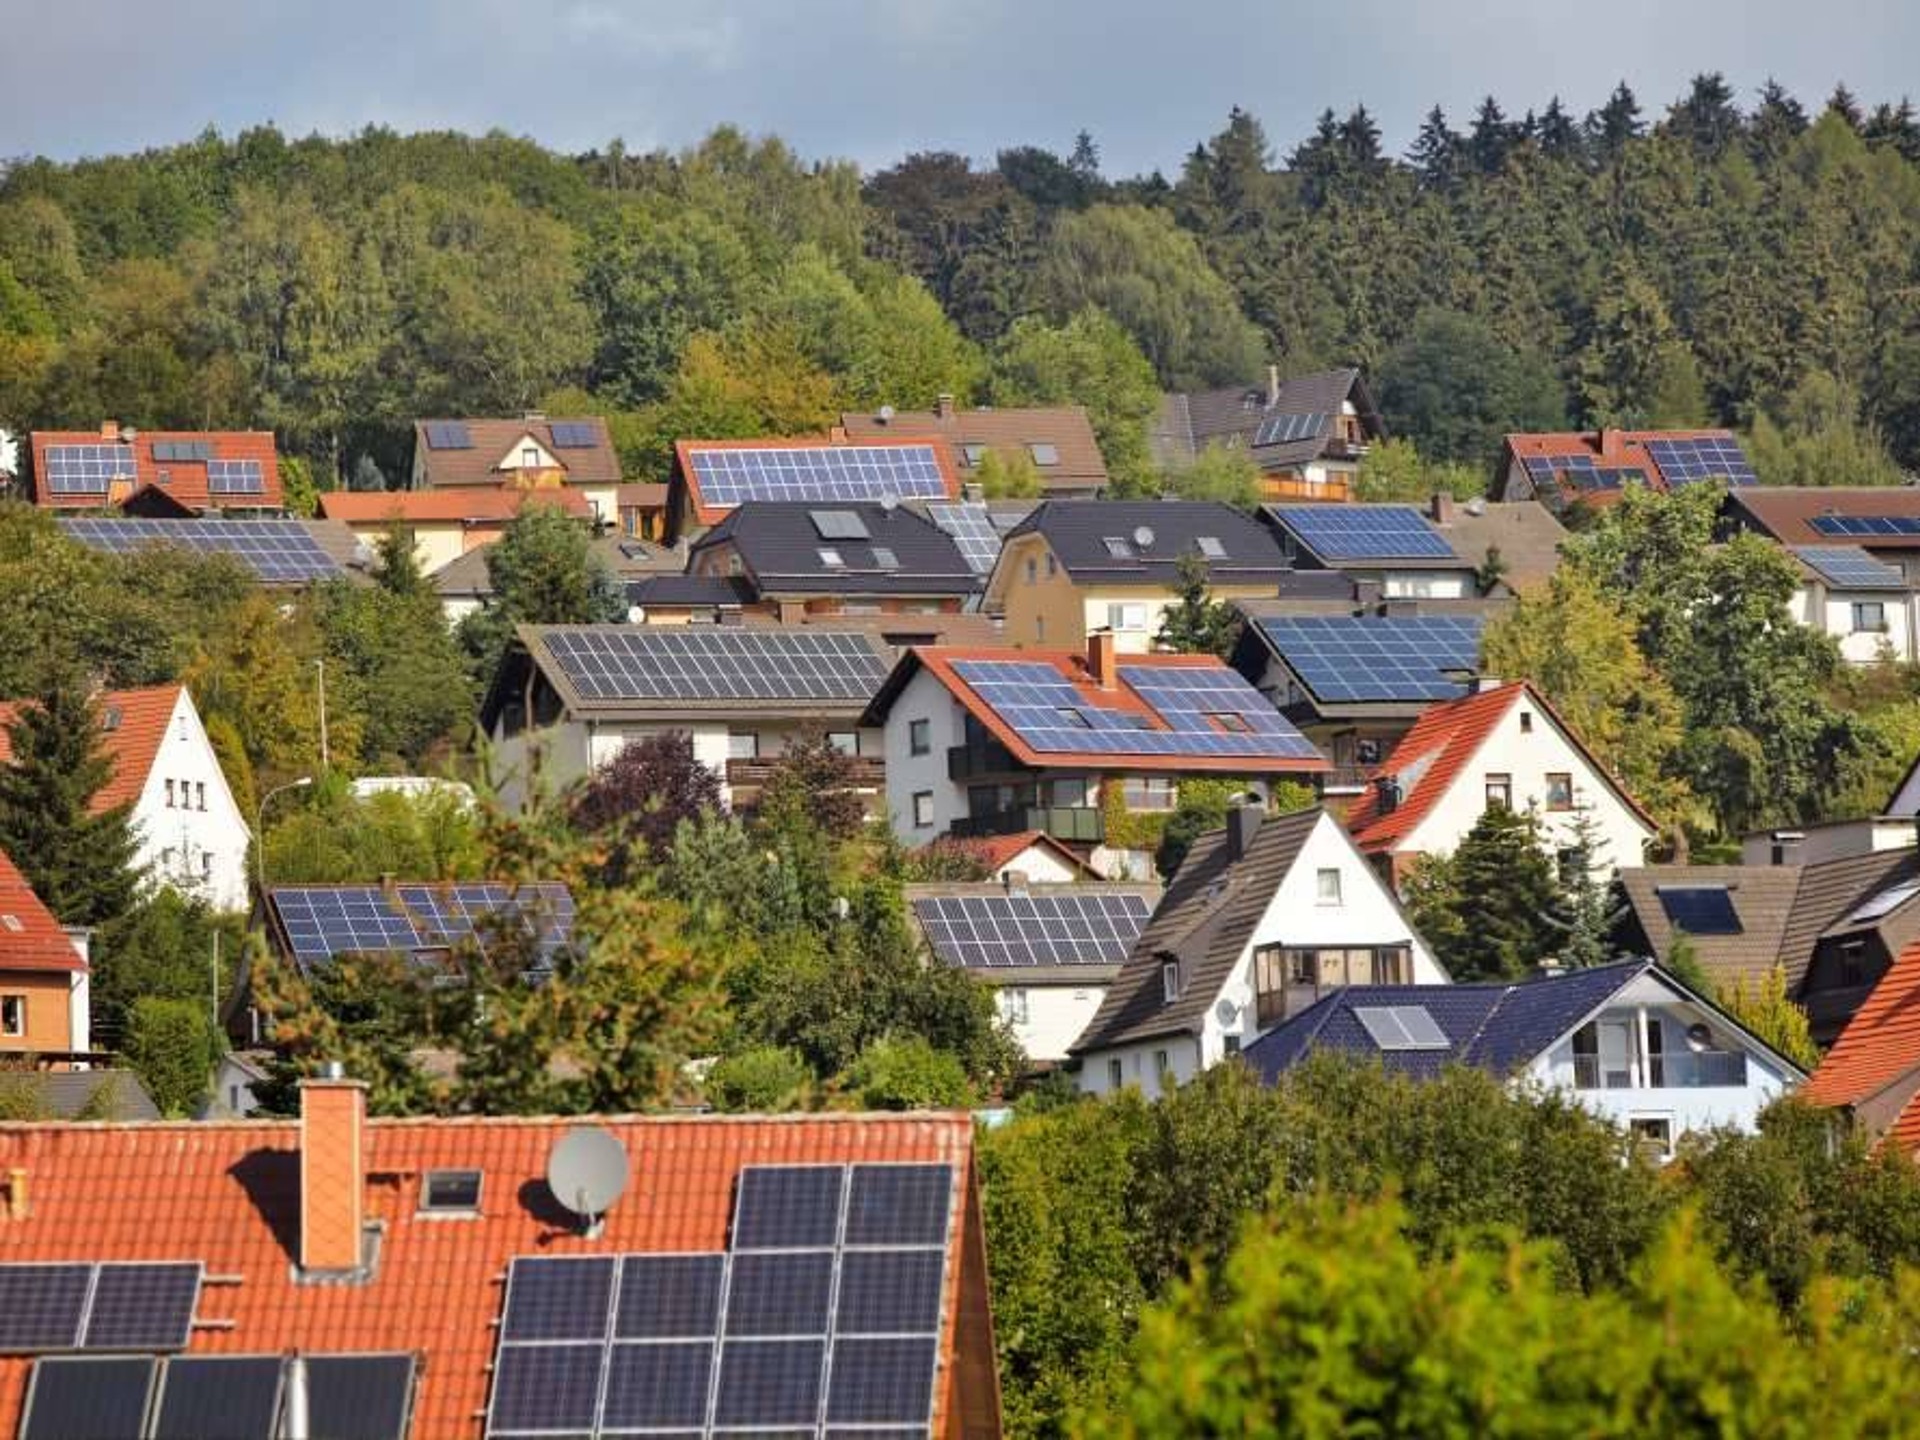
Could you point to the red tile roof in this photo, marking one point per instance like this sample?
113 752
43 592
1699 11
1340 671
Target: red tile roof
1880 1043
1612 448
686 468
453 506
38 942
183 481
997 851
134 723
228 1194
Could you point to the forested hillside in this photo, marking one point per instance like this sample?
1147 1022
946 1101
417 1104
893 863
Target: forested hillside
1751 265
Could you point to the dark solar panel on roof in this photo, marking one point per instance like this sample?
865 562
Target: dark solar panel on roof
669 1296
546 1389
558 1298
788 1207
176 452
142 1306
75 1398
322 921
1700 909
1849 567
448 435
278 551
992 931
657 1387
87 469
732 476
1383 658
223 1397
899 1204
838 524
635 663
574 435
889 1292
1364 532
41 1306
1866 527
770 1384
780 1293
882 1380
359 1397
1689 460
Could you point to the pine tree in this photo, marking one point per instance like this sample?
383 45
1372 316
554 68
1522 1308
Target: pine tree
79 862
1360 144
1895 126
1084 162
1498 897
1197 625
1778 121
1492 138
1707 118
1587 910
1842 103
1319 163
397 564
1556 134
1614 124
1436 152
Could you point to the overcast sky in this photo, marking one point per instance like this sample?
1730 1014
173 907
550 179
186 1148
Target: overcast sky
870 81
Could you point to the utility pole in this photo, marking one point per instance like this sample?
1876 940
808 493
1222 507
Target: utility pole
326 762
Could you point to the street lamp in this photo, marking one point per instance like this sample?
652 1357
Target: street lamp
260 828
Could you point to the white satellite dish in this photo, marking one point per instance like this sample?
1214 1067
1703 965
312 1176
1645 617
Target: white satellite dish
587 1172
1226 1011
1143 537
885 415
1699 1037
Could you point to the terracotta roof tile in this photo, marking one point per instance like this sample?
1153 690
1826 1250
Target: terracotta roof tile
1880 1043
182 481
134 723
30 938
449 506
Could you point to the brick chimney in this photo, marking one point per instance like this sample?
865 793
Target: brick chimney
1243 823
1609 441
1103 659
943 407
333 1122
1442 508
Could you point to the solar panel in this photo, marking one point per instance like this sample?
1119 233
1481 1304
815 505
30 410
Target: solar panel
788 1207
41 1305
574 435
628 662
87 469
449 435
322 921
1884 902
545 1389
558 1298
1401 1027
1690 460
726 477
772 1293
765 1384
1867 527
657 1387
142 1307
1376 658
1364 532
973 531
883 1380
1285 429
359 1397
235 477
669 1296
278 551
221 1397
889 1292
1700 909
70 1398
1849 567
899 1204
839 524
182 451
997 931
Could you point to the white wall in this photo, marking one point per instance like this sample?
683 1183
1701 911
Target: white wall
1529 757
1831 611
1140 1065
198 852
1427 584
1056 1014
1845 837
1041 866
923 698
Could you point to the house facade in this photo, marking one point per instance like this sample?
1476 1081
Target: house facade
446 523
45 977
1306 434
1057 441
528 453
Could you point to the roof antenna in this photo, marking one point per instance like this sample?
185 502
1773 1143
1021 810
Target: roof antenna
587 1172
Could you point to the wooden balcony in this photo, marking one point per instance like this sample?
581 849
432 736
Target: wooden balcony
869 773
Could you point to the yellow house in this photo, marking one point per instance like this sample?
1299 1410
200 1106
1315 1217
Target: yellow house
1076 567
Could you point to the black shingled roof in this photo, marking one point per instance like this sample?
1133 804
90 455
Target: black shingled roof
1077 531
779 544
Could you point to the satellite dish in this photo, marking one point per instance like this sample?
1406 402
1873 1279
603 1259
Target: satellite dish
889 503
1226 1012
587 1172
886 414
1699 1037
1143 537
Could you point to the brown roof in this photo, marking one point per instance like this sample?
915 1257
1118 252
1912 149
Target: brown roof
1527 536
630 560
1787 513
182 482
1204 920
495 440
1187 423
1010 432
445 507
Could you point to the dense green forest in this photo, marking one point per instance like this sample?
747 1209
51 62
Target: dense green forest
1751 265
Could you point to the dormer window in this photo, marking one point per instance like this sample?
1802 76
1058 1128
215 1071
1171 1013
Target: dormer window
450 1192
1170 981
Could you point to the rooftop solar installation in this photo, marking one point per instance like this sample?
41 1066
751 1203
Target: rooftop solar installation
71 1398
1349 659
574 435
179 451
994 932
1284 429
971 525
42 1306
235 477
280 552
1689 460
88 469
448 435
1364 532
322 921
1401 1027
1700 909
1849 567
731 476
142 1307
635 663
1867 527
225 1395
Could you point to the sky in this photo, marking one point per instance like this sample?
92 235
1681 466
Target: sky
870 81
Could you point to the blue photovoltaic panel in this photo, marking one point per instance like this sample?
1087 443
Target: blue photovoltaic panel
889 1292
657 1387
632 662
1284 429
666 1297
41 1306
726 477
87 469
1014 929
223 1395
770 1384
85 1399
280 552
971 525
574 435
559 1298
777 1292
1700 909
448 435
1364 532
899 1205
883 1381
1849 567
142 1306
359 1397
322 921
235 477
1691 459
173 452
1866 527
1347 659
788 1207
546 1389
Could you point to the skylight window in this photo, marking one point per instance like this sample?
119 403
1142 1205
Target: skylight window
1073 718
974 454
1117 547
885 558
450 1192
1231 723
1211 547
838 524
1401 1027
833 560
1043 453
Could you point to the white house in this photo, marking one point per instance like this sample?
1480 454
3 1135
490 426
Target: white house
1261 920
1865 604
1500 745
191 833
1628 1041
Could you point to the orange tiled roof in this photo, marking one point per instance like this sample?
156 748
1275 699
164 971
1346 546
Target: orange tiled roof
138 721
1880 1043
182 481
996 851
228 1194
1625 449
39 943
470 506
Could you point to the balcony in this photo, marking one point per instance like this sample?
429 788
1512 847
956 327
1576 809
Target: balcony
1080 824
981 757
1348 779
869 773
1711 1069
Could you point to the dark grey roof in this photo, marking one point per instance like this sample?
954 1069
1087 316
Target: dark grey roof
628 557
780 545
1078 530
115 1095
691 590
1188 423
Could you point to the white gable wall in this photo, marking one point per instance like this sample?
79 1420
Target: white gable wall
1055 1015
923 698
198 851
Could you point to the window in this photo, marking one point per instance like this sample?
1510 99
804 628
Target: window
885 558
529 457
847 742
1393 966
1116 1075
1654 1133
183 727
1869 617
1500 791
13 923
1033 569
743 745
1131 616
1559 792
1147 792
206 865
1069 791
923 809
1327 886
1229 723
1117 547
169 794
1586 1057
1013 1004
1270 980
1040 628
1526 722
1160 1065
832 560
919 737
1656 1052
1053 566
454 1192
1170 982
974 454
1073 719
13 1014
1211 547
1043 453
1852 970
1231 1044
200 795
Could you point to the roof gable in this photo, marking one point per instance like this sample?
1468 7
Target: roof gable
493 443
1141 542
840 548
132 725
193 470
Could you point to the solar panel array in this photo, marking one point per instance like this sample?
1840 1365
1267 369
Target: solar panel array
1365 532
822 1317
727 477
633 663
176 451
1849 567
1384 658
1700 909
1690 460
280 552
322 921
145 1306
1583 472
1401 1027
574 435
87 469
216 1397
448 435
1867 527
235 477
1883 902
1050 713
994 932
974 531
1283 429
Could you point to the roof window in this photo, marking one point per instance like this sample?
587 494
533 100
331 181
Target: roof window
973 454
833 560
1117 547
1074 719
450 1192
838 524
885 559
1211 547
12 922
1043 453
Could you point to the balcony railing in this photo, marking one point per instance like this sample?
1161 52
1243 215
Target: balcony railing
869 773
1082 823
984 757
1348 779
1708 1070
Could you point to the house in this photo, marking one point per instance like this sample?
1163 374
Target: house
710 477
310 926
1516 545
1057 440
446 524
1630 1042
530 453
985 742
854 558
162 473
45 1006
1500 744
1028 856
235 1084
1828 840
95 1094
978 527
1392 546
465 584
1562 469
568 698
643 510
422 1279
1048 951
1261 919
1832 926
1873 1070
191 834
283 554
1075 567
1307 435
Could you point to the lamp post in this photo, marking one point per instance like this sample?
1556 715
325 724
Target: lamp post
260 828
